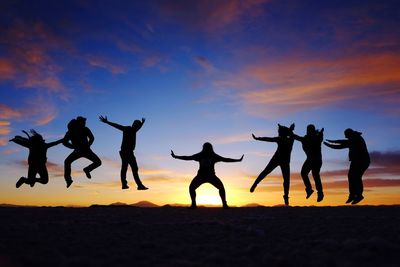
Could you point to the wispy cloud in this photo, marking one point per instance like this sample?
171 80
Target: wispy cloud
294 84
233 139
204 63
102 62
209 15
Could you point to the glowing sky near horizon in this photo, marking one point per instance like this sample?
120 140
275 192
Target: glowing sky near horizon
199 71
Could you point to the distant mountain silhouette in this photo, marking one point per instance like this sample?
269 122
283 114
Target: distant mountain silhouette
118 204
144 204
252 205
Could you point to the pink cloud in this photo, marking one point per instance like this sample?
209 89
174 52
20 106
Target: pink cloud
7 112
204 63
102 62
294 84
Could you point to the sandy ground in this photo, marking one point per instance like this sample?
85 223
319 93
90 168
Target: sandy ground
129 236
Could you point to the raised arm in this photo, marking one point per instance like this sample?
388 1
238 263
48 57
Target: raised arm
51 144
113 124
141 124
230 160
266 139
22 141
182 157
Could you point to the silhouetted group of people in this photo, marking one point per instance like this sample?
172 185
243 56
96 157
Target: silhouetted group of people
79 138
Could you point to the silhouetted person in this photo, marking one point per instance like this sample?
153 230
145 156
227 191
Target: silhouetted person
311 143
206 173
127 147
359 162
281 158
79 138
37 157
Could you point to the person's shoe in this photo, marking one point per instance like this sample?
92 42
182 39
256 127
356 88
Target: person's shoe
20 182
32 182
141 187
309 193
350 199
320 197
125 186
192 207
69 182
87 173
286 198
357 199
225 206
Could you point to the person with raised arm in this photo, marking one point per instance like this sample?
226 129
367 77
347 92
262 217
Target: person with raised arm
37 157
206 173
311 144
127 150
359 162
281 158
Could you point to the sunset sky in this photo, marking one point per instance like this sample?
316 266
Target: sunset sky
199 71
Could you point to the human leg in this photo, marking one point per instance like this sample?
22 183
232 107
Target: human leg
135 172
268 169
124 168
196 182
215 181
358 184
316 168
96 162
67 166
305 170
285 168
43 175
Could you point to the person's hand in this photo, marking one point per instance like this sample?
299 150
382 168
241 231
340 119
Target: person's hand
143 120
241 158
103 119
255 138
172 154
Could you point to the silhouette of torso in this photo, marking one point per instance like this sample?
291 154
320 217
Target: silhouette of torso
37 153
128 138
207 162
284 149
358 151
79 138
312 146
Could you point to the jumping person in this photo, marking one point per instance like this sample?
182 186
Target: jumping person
79 138
127 147
311 144
281 158
206 173
37 157
359 162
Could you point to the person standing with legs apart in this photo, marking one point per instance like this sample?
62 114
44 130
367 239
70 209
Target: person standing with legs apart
37 157
79 138
311 143
281 158
206 173
359 162
127 147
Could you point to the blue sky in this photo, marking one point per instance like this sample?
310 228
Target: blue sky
199 71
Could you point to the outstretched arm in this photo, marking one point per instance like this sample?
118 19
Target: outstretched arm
336 146
181 157
51 144
266 139
231 160
297 137
340 142
113 124
22 141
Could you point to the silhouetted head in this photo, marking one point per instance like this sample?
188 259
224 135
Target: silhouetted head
208 148
136 124
284 131
349 133
80 121
71 125
310 129
36 138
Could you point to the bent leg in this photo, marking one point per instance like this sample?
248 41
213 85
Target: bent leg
215 181
305 170
316 168
268 169
96 162
196 182
67 164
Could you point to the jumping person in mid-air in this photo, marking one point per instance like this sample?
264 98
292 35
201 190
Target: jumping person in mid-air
127 147
311 143
206 173
359 162
37 157
79 138
281 158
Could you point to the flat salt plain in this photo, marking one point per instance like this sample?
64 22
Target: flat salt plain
172 236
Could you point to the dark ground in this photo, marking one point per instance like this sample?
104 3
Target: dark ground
128 236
